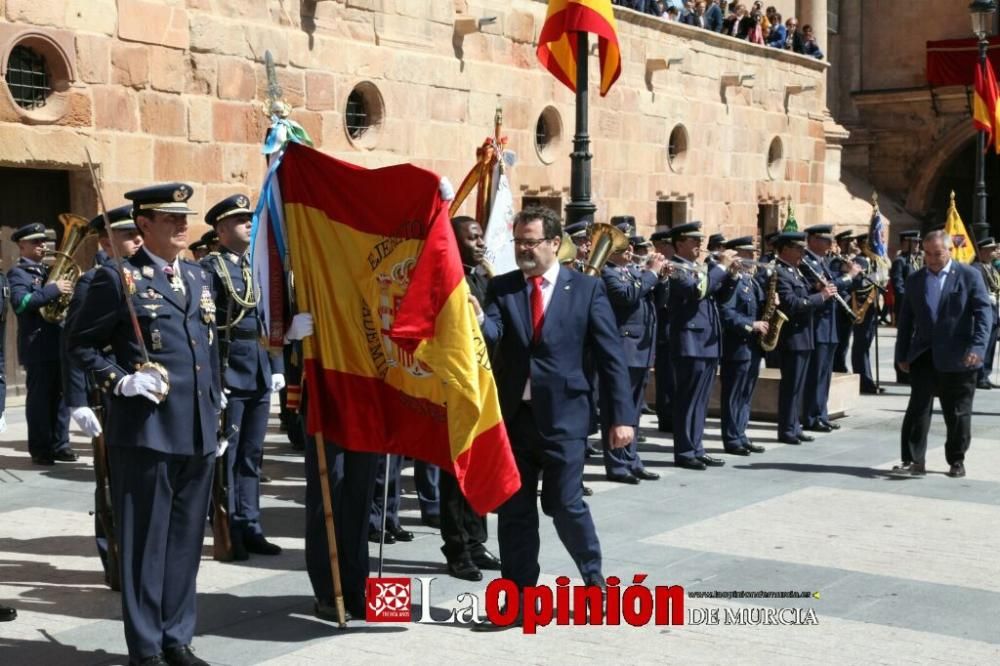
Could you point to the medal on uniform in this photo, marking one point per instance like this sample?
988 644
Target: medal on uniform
147 272
156 340
207 305
129 282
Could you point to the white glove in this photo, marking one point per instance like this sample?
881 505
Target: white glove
277 382
220 447
446 189
86 420
3 421
146 382
224 399
301 327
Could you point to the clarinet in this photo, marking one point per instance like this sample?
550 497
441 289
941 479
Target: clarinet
822 281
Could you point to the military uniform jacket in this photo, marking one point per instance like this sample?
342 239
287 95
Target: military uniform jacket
661 301
901 268
630 292
4 298
739 311
695 330
798 302
992 281
248 366
37 339
179 333
77 383
825 318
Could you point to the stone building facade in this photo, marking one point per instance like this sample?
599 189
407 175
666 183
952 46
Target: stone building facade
699 126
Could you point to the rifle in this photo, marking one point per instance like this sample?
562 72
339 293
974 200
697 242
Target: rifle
222 541
102 496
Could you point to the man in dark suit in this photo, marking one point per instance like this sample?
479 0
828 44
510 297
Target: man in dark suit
695 337
819 239
984 262
906 262
542 320
742 329
630 291
39 348
944 327
663 374
796 343
78 386
163 421
249 373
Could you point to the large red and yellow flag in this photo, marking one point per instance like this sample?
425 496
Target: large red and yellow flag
397 363
557 42
986 107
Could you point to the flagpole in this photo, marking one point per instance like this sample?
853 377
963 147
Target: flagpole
581 207
980 227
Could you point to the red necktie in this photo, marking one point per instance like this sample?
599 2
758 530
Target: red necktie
537 308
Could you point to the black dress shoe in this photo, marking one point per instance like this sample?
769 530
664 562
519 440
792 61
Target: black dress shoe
805 438
624 478
664 428
46 461
587 491
182 656
484 559
66 455
399 534
264 478
640 439
690 463
878 390
465 570
593 449
646 475
432 521
374 536
985 386
831 425
258 545
819 427
7 613
240 553
155 660
755 448
712 461
741 451
789 440
956 471
647 411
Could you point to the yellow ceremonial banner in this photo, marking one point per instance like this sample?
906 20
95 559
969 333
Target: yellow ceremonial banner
964 249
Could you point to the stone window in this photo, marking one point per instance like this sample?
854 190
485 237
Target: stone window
548 134
363 115
36 72
776 159
27 78
677 147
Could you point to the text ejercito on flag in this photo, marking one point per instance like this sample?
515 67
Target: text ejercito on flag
986 105
397 363
558 39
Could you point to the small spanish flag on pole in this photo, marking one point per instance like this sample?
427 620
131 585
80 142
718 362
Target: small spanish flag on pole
985 106
557 42
963 249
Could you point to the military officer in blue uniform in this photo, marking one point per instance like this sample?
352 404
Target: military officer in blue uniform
742 329
39 345
984 262
819 239
249 373
799 301
663 374
79 387
864 332
839 263
198 250
695 338
4 299
906 262
162 430
630 291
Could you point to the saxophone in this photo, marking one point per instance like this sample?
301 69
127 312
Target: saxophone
774 317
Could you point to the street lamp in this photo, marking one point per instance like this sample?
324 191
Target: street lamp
982 13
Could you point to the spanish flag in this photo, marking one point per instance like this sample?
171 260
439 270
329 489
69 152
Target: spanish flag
557 42
397 363
985 106
963 249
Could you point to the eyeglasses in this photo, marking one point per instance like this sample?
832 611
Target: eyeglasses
529 243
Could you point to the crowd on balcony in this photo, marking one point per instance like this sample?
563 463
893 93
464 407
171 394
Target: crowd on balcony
756 24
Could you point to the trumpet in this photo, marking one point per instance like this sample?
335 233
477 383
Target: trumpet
819 279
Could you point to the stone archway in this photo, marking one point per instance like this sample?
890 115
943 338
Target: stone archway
921 196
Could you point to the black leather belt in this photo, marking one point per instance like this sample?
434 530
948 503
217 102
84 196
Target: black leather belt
243 334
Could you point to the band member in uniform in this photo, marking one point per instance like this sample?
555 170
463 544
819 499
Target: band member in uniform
663 374
769 256
695 337
163 425
716 243
944 327
39 348
541 320
78 386
819 238
579 233
984 262
907 262
742 329
862 293
796 343
249 373
630 292
4 299
198 249
840 262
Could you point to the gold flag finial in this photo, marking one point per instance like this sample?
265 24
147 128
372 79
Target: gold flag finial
953 197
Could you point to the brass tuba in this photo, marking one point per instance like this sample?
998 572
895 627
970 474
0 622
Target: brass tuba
605 239
75 230
567 250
